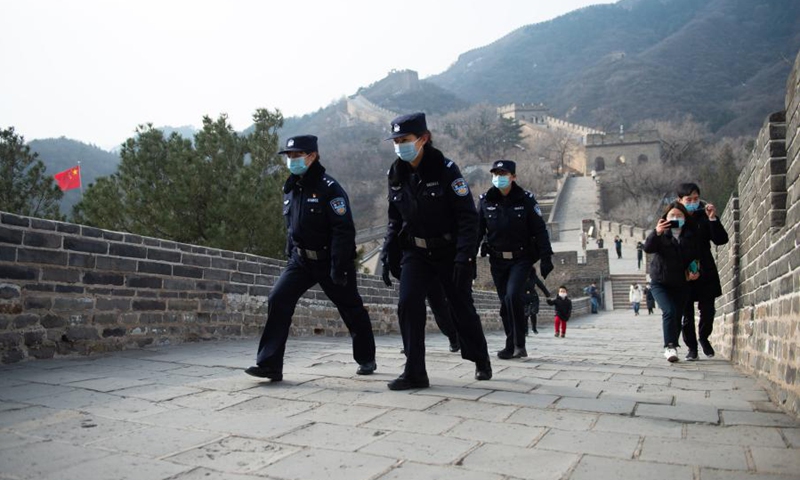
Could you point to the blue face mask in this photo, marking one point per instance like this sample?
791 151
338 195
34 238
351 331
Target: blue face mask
501 181
297 165
692 206
406 151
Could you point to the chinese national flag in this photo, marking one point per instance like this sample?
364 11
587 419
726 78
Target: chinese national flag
69 179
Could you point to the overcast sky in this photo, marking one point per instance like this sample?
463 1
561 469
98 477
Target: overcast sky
94 70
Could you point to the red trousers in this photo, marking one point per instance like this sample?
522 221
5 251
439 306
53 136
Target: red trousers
560 324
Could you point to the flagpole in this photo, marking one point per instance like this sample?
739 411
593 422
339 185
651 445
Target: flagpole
80 177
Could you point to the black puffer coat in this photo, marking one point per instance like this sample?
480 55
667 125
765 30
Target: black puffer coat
671 256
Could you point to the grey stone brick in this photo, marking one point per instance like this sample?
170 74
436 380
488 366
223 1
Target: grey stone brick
25 320
61 275
75 334
223 263
11 219
38 303
8 254
196 260
53 321
155 267
95 278
73 304
10 235
42 240
114 236
163 255
124 250
116 264
190 272
142 305
121 304
84 245
48 257
81 260
87 231
144 282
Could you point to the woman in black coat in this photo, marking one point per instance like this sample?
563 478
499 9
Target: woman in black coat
674 255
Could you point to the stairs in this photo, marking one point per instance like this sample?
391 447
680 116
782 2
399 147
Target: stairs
620 286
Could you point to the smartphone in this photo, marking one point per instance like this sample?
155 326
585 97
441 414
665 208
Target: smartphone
694 267
674 224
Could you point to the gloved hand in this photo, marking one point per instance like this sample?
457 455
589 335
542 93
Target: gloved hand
385 275
462 274
546 266
484 249
339 278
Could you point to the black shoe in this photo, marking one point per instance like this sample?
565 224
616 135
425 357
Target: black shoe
454 346
535 332
263 372
505 354
520 352
708 350
483 370
367 368
691 356
404 383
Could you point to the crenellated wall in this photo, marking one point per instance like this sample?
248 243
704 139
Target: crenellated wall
67 288
758 317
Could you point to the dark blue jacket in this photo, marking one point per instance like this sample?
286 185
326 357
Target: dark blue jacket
513 222
318 216
708 285
431 202
671 256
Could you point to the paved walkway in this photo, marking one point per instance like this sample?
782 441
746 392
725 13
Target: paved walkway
599 404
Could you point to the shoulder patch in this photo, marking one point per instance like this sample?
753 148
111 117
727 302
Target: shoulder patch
529 194
537 210
449 163
460 186
339 206
483 195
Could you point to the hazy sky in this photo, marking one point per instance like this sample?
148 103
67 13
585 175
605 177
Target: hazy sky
94 70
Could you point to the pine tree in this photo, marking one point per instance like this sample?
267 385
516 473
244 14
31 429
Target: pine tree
25 188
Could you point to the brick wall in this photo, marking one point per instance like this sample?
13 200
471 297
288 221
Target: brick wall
67 288
758 318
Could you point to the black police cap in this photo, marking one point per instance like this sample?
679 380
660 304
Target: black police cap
300 143
507 165
411 124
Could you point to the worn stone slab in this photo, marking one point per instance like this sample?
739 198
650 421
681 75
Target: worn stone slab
600 405
155 441
518 462
109 384
119 467
157 393
128 409
560 391
594 443
472 410
582 375
35 460
254 425
563 419
417 447
784 461
8 405
403 399
210 400
333 437
28 391
208 474
270 406
496 433
290 390
792 436
76 399
16 418
79 428
10 439
655 398
520 399
702 384
684 397
713 474
643 426
320 464
464 393
685 413
235 455
341 414
412 421
592 468
418 471
735 435
640 379
686 452
732 417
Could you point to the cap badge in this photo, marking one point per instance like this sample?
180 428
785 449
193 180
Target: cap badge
499 164
290 143
396 127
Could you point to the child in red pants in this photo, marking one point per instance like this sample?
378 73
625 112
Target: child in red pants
563 307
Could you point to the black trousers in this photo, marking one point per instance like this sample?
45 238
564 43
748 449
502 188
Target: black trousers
704 327
442 313
420 272
509 278
298 276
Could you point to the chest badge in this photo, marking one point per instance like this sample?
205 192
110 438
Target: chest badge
339 206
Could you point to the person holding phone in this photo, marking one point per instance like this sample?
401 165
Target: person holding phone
708 287
673 246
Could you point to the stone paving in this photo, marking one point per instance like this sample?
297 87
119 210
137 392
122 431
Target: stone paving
601 403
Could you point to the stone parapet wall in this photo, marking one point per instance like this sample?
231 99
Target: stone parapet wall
758 317
67 288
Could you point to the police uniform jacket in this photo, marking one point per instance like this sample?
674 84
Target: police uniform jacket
432 203
513 223
708 285
318 217
672 256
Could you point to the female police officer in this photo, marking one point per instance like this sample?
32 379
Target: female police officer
430 238
516 237
320 244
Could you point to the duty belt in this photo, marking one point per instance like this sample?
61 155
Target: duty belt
507 255
429 243
313 254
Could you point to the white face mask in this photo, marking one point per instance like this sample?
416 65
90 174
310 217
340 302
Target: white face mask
562 295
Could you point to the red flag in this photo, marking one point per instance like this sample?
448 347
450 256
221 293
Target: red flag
69 179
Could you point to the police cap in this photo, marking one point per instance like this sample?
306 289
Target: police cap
507 165
300 143
411 124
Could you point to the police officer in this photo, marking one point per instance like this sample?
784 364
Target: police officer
430 238
320 244
516 237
